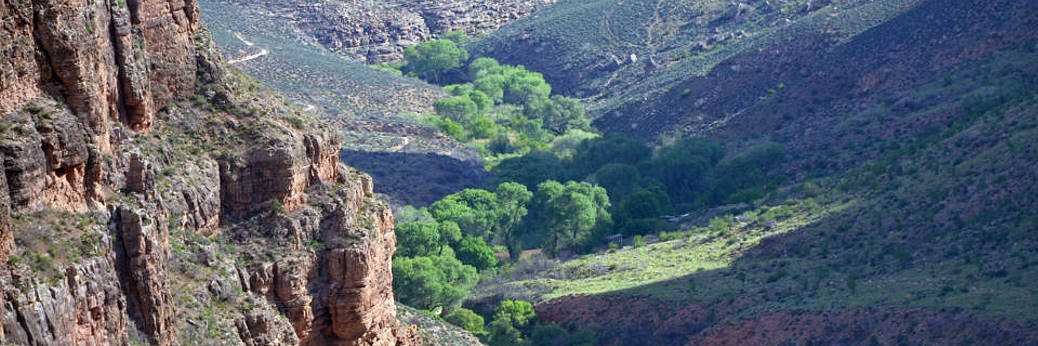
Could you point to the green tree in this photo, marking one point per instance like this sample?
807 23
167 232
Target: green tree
566 145
431 60
431 282
568 214
482 127
512 208
619 179
493 85
468 320
450 127
595 153
475 252
503 333
474 210
685 167
418 239
457 108
559 114
644 204
482 67
519 312
748 175
450 232
524 86
530 169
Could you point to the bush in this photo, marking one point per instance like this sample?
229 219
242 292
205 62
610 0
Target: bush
482 127
432 282
639 241
458 108
594 154
418 239
476 252
467 320
559 114
530 169
519 312
432 60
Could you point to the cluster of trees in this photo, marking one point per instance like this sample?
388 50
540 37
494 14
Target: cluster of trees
443 248
502 109
515 323
645 184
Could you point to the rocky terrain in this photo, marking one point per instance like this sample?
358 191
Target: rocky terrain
373 108
151 194
376 32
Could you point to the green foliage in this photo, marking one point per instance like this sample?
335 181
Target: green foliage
599 152
646 204
431 282
567 214
618 178
503 333
482 127
468 320
418 239
474 210
530 169
458 108
518 312
566 145
513 199
432 60
559 114
744 177
476 252
684 168
452 128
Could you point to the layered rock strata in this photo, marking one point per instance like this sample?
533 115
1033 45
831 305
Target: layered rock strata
140 177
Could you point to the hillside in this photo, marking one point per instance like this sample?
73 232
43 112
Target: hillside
910 135
373 109
151 194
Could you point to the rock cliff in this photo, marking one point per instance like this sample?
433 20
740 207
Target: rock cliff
379 32
151 194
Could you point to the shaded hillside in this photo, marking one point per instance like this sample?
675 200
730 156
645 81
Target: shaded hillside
910 128
417 179
937 246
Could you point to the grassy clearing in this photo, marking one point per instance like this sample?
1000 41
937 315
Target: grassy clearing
698 250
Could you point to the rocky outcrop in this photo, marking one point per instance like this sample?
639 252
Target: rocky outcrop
337 293
377 32
87 308
145 247
140 177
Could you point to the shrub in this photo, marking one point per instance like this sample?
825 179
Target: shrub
475 252
458 108
482 127
519 312
639 241
468 320
431 60
418 239
431 282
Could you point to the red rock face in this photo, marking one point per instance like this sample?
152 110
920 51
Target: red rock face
86 84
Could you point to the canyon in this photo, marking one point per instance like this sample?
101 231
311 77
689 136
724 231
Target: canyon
152 194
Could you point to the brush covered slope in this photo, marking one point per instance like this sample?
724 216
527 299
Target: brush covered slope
152 195
374 109
911 136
